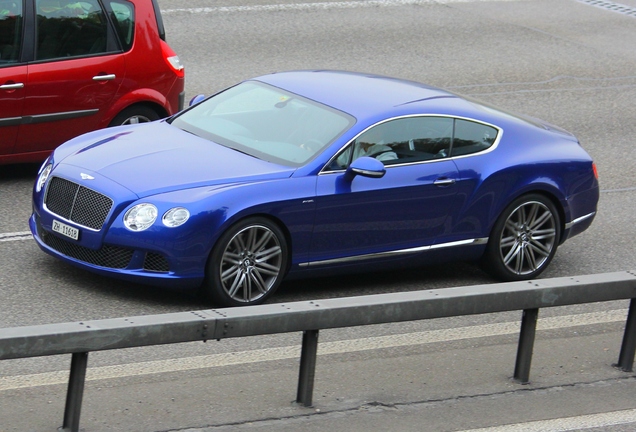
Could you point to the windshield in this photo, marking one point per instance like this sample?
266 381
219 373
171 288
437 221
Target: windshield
265 122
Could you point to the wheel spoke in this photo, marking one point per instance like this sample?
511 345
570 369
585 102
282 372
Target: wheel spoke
268 269
535 223
530 258
521 256
268 254
512 253
252 239
230 272
239 242
261 285
531 214
540 247
507 242
237 283
258 245
511 225
231 258
544 234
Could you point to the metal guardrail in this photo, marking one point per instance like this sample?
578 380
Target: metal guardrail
80 338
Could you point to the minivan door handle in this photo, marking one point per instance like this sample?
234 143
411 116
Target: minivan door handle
12 86
108 77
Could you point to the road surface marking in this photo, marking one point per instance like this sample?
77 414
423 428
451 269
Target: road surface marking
23 235
568 423
317 5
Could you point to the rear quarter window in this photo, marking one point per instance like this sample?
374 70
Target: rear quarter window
123 17
472 137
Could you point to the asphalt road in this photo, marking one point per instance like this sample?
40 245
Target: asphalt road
568 62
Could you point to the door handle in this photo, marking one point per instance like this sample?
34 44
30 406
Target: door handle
12 86
444 182
108 77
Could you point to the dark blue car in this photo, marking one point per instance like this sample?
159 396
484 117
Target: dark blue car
309 173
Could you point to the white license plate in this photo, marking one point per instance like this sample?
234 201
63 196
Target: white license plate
66 230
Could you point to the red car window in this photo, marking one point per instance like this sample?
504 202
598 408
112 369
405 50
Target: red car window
10 31
70 29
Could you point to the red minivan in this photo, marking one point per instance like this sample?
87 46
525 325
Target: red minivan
67 68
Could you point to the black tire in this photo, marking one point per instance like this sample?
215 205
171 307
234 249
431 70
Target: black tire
135 114
247 263
524 239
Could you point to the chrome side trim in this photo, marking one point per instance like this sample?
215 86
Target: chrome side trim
387 254
577 220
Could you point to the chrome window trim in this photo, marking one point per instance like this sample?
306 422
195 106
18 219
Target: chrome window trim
468 242
453 117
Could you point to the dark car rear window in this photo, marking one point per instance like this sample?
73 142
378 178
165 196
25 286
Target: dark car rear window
123 16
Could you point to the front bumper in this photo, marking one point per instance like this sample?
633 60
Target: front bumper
114 261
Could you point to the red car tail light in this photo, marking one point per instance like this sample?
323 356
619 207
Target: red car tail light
172 59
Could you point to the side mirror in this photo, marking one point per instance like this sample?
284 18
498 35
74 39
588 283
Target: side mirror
198 98
366 167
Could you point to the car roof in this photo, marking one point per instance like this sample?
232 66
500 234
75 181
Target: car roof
359 94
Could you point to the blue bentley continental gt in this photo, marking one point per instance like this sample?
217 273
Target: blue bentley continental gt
306 173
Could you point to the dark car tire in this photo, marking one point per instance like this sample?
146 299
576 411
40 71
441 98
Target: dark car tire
524 239
247 264
135 114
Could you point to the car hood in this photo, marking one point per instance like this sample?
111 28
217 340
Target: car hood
157 157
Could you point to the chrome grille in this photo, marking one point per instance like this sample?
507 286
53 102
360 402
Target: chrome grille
77 203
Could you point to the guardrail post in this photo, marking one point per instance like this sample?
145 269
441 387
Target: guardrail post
628 348
307 373
75 392
526 345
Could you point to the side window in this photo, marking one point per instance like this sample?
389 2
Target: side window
405 140
123 16
10 31
431 138
377 142
471 137
70 29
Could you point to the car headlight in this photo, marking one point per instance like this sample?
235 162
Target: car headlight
175 217
43 177
140 217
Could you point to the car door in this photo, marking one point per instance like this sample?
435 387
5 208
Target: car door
406 208
77 72
12 79
12 74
